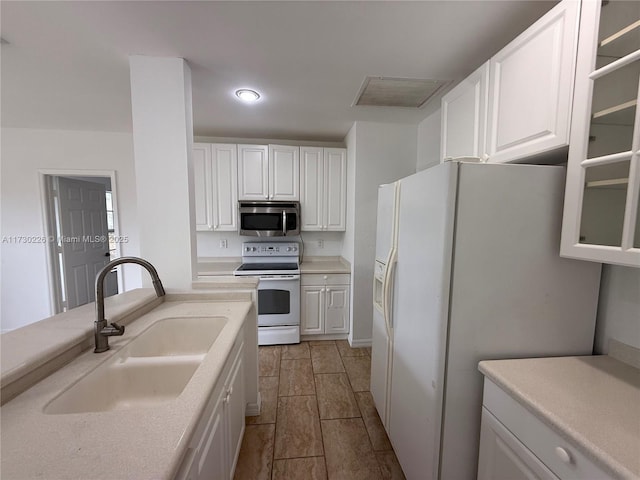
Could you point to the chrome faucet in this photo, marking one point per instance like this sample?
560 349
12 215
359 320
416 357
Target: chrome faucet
101 330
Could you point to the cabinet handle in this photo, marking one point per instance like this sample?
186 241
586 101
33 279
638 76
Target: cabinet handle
325 277
563 455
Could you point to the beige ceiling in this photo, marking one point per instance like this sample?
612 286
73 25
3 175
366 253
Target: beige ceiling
66 65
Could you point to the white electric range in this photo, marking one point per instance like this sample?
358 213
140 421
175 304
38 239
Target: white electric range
276 264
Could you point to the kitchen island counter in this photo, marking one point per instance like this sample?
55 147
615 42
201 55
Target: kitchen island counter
143 442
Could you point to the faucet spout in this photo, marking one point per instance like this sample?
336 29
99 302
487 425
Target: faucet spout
102 331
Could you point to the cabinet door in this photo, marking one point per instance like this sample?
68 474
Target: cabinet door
531 87
504 457
336 318
224 166
234 415
212 456
311 188
464 117
284 172
335 189
312 309
202 183
253 172
601 220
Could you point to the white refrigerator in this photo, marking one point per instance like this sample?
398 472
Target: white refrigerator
468 269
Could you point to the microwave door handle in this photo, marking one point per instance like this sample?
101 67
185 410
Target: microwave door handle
284 222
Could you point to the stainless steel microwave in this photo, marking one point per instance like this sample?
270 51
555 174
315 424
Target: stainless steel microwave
269 219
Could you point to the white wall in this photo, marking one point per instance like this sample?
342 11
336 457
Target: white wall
163 143
25 281
429 141
348 247
383 153
618 307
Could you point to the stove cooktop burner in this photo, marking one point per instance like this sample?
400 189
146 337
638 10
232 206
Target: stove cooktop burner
258 267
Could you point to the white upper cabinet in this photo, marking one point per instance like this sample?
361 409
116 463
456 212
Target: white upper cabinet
601 219
224 167
531 88
284 172
323 188
312 188
215 170
518 104
335 189
253 172
268 172
203 186
464 117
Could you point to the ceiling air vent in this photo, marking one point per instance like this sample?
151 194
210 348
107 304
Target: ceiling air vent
397 92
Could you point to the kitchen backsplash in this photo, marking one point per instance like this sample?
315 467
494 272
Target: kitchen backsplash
315 243
618 307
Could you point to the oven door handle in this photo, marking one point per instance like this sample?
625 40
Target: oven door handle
284 278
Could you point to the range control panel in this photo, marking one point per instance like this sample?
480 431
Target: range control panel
270 249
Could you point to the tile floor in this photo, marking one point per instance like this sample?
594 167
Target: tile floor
318 419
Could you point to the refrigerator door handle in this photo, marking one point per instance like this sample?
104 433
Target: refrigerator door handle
388 290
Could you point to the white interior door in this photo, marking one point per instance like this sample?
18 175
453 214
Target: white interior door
85 237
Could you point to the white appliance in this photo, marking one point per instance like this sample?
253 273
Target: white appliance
268 219
276 264
467 268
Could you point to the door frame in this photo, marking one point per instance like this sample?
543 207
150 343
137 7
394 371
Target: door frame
49 227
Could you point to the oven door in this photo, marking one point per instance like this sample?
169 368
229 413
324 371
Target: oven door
278 300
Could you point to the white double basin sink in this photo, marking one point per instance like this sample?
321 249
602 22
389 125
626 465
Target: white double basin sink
152 369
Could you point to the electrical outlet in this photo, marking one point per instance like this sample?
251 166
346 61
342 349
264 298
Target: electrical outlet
223 243
320 243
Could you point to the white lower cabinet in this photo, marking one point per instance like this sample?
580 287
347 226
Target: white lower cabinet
504 457
516 444
214 448
324 301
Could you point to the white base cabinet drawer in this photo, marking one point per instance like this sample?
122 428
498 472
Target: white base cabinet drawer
325 279
559 455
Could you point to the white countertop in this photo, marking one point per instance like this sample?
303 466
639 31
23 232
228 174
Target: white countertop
312 265
593 401
214 266
140 443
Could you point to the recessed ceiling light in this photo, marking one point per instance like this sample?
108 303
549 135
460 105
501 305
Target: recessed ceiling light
247 95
